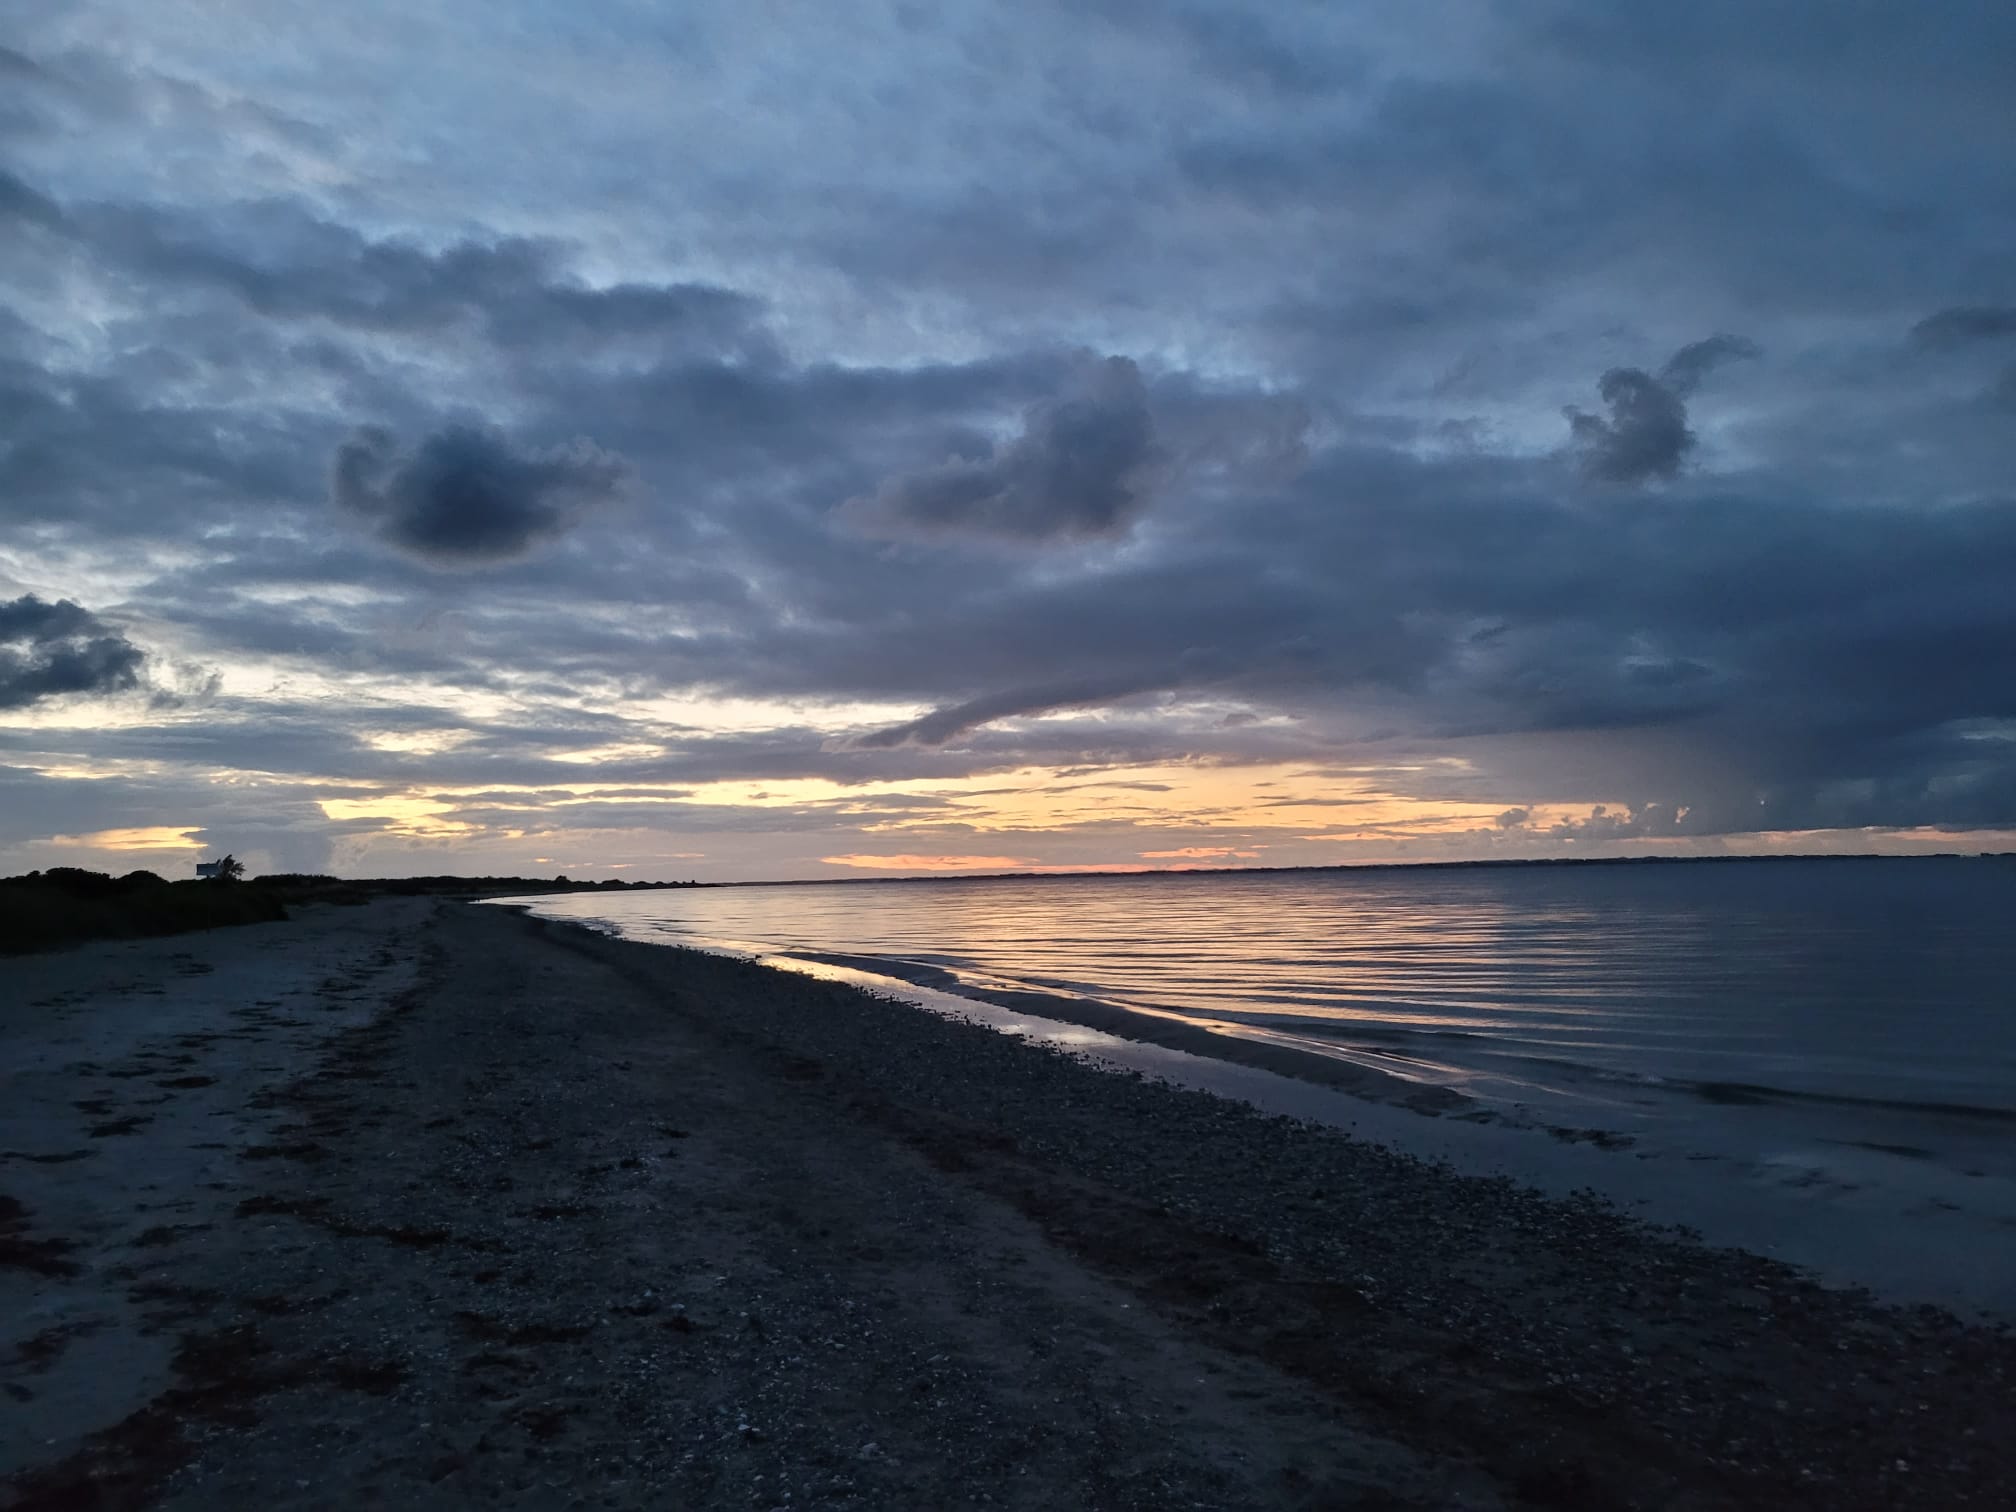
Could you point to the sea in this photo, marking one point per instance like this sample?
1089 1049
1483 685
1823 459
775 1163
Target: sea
1811 1057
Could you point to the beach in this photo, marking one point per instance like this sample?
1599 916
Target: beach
420 1204
1808 1059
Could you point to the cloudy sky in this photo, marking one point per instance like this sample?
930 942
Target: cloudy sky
782 440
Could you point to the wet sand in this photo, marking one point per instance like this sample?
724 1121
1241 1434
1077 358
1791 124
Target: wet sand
423 1205
1835 1192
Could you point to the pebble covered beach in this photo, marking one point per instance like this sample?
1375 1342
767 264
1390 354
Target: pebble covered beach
420 1204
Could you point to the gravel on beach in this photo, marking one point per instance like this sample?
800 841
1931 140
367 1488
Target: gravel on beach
559 1220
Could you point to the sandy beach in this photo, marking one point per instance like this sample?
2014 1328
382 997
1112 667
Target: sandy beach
420 1204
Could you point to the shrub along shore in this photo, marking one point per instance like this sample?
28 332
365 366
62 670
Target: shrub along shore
66 905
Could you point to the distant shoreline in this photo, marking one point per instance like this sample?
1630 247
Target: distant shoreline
1504 864
65 905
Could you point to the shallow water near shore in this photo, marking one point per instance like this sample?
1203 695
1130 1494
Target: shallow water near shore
1814 1059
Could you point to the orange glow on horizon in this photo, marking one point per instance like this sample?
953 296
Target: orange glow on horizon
931 863
973 863
153 837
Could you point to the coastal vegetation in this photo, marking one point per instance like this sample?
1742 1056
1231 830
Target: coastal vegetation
66 904
46 910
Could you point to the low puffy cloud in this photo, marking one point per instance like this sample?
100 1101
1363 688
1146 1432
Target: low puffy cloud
48 650
465 497
1646 435
1636 822
1082 466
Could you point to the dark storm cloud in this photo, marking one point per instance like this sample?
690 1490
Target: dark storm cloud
19 66
26 88
1646 435
465 497
306 756
105 455
941 726
1786 642
21 201
1972 326
1961 325
1686 368
1082 466
281 261
48 650
1713 617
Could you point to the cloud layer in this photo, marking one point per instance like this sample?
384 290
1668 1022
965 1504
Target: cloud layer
1126 432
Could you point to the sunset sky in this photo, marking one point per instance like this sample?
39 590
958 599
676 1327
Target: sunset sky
786 440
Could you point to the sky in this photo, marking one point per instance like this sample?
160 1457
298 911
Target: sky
743 440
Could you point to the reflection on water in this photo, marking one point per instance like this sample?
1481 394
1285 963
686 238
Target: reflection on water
1884 981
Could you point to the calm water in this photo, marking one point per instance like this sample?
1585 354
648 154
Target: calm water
1812 1060
1870 983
